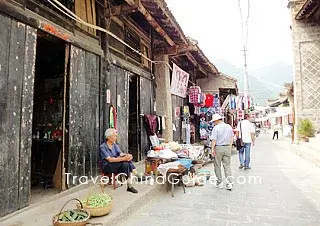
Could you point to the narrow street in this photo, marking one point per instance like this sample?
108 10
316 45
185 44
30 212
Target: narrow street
289 194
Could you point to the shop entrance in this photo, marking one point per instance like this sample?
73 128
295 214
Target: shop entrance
134 126
49 110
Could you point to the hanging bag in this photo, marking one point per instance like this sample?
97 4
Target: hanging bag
239 141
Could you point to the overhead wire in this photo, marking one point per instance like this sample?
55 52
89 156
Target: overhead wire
244 33
59 6
247 24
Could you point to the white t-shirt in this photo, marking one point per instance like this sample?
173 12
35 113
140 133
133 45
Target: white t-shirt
247 128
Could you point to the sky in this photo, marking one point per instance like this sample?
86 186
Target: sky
216 25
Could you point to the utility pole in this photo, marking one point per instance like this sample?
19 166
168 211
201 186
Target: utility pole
244 29
245 73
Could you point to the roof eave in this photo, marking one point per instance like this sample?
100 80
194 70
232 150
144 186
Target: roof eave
308 8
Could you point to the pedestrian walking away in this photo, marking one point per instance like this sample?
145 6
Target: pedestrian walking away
245 131
276 129
222 139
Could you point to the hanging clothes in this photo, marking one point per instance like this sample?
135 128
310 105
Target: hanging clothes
163 122
227 102
159 125
197 110
201 100
216 100
230 102
209 100
112 117
193 93
238 102
151 124
183 131
234 104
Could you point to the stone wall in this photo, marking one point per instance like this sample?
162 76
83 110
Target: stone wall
212 84
306 47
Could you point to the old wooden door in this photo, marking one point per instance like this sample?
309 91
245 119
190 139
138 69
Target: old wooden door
84 121
146 107
17 63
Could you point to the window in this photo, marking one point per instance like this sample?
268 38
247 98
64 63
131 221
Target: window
134 41
145 51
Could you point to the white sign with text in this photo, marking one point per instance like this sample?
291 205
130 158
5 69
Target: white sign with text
179 83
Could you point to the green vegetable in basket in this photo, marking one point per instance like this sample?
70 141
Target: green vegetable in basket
72 216
98 200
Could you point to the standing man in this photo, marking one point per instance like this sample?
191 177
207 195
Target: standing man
245 131
222 139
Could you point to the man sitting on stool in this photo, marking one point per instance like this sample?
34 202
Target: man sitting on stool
114 161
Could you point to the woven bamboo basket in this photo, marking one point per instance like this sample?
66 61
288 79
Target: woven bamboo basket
96 211
56 222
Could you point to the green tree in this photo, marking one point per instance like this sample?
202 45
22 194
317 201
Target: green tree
306 128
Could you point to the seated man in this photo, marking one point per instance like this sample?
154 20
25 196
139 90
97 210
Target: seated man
114 161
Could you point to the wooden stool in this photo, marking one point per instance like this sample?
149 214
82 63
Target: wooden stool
175 174
111 176
112 179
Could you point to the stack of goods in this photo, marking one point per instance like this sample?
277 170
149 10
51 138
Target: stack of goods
173 146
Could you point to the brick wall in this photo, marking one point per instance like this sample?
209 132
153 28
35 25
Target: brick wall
306 48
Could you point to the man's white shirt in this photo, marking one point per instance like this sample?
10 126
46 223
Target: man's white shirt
247 128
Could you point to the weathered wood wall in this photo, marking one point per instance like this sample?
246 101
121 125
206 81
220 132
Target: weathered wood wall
177 102
117 82
86 10
84 116
17 62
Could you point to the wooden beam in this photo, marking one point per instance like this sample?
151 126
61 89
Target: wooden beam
121 10
200 69
191 58
163 7
34 20
151 20
175 50
139 31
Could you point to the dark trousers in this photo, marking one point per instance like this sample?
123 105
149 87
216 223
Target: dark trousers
119 167
274 134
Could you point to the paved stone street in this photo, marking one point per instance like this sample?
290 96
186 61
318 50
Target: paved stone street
289 194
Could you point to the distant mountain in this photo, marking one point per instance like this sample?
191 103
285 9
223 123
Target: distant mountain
264 83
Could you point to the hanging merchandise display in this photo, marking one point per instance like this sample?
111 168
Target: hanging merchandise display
209 100
193 93
113 117
151 124
203 128
208 105
238 102
186 122
216 100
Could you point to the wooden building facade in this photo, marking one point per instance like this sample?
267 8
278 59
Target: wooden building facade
60 74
